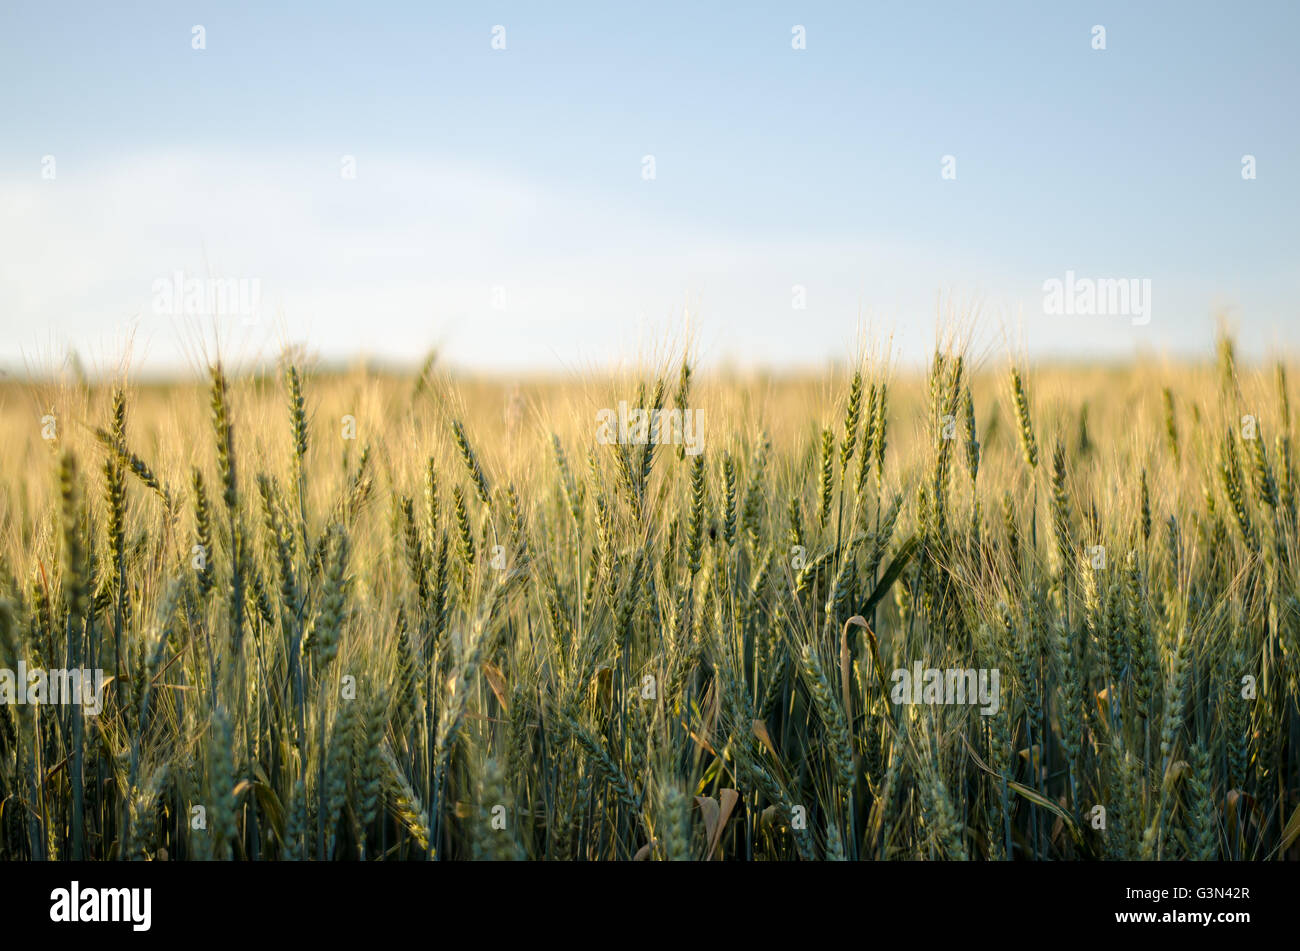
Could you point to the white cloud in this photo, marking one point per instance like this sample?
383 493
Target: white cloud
411 253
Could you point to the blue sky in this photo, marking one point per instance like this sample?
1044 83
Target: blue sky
499 208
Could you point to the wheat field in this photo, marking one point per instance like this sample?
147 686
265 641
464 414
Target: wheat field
360 615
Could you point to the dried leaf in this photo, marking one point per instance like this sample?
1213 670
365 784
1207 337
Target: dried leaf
730 798
760 731
497 681
715 818
709 812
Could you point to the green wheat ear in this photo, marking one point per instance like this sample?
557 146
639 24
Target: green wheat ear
74 552
852 417
825 484
221 427
1171 423
1020 400
729 499
470 459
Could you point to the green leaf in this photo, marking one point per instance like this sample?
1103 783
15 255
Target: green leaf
1045 803
901 558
